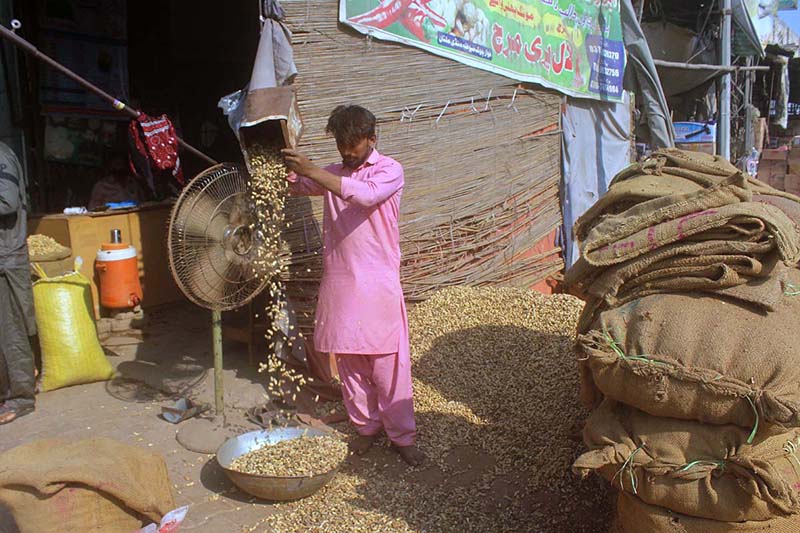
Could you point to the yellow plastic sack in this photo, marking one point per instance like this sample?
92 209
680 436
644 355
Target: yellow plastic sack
71 351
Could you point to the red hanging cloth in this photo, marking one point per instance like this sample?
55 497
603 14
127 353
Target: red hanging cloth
154 138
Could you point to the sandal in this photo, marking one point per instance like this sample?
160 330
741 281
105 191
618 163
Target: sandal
10 412
265 417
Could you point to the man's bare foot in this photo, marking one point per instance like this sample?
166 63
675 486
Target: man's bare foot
361 444
411 455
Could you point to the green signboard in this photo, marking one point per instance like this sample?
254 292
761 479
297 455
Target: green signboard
573 47
787 5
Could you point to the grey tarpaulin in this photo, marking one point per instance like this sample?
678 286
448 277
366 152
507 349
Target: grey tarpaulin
596 146
273 67
746 40
642 78
596 139
680 45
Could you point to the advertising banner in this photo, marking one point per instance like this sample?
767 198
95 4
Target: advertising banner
574 47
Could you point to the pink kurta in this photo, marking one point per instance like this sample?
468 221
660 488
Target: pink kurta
361 315
360 308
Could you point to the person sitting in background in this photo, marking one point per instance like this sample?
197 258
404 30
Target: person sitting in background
119 186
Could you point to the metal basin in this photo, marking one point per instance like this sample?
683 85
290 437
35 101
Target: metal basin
271 487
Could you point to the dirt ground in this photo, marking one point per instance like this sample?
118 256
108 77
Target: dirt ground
175 361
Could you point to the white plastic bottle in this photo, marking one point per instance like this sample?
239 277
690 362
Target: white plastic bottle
752 162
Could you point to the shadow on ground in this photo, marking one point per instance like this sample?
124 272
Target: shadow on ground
514 468
176 360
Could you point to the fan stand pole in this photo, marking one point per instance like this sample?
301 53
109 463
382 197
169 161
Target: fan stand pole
216 333
201 434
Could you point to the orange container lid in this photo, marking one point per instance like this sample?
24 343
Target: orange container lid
113 246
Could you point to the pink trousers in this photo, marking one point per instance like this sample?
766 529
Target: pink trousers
377 394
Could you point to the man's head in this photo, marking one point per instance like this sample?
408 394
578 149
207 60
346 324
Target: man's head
118 169
353 127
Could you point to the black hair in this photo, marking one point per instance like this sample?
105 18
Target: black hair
350 124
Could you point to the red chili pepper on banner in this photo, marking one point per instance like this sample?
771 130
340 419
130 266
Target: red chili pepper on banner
386 14
435 17
415 17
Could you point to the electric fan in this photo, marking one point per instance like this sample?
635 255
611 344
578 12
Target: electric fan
213 248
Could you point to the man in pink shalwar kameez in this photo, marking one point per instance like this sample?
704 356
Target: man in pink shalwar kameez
361 314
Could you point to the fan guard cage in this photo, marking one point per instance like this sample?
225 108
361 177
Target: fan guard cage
211 242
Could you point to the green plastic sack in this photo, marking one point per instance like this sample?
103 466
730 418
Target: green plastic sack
71 351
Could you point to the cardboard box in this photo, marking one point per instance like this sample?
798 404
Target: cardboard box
794 160
777 182
761 134
706 148
792 182
695 132
770 168
271 117
774 155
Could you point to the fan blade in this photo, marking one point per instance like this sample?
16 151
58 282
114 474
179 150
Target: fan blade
203 217
206 274
197 239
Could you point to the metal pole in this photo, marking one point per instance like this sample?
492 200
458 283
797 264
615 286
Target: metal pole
749 136
725 93
701 66
216 333
116 104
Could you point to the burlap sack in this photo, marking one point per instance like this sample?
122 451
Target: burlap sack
695 469
706 164
618 239
789 203
635 516
674 195
665 173
699 357
635 190
90 485
615 224
615 284
584 279
745 279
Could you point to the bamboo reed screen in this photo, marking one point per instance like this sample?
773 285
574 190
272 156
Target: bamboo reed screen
481 159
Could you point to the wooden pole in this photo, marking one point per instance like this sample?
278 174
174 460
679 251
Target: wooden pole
216 334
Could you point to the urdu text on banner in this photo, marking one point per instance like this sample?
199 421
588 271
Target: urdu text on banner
573 47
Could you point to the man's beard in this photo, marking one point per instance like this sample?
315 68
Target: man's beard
351 163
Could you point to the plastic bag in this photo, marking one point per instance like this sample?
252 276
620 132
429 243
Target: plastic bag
71 351
232 107
169 524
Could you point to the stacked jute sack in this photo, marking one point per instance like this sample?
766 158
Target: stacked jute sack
688 347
